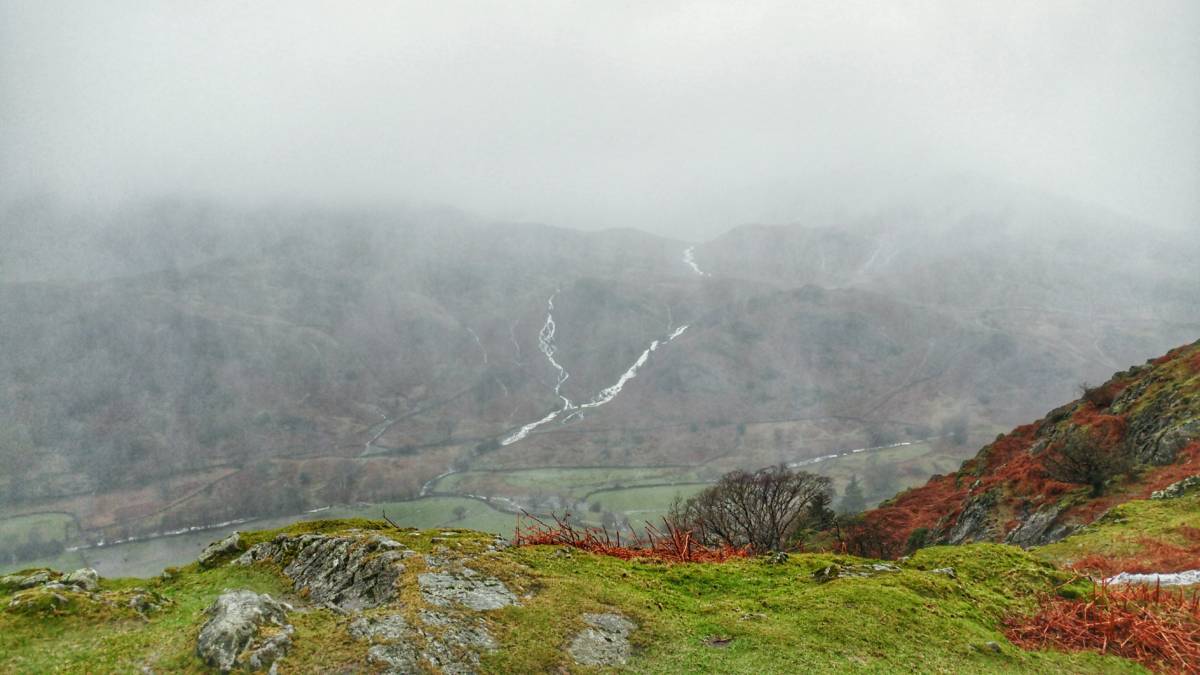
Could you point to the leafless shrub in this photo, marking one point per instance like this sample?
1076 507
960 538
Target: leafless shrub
762 509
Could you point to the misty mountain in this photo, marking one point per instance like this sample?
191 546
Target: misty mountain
332 356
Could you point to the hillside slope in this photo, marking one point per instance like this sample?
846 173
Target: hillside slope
1147 418
365 597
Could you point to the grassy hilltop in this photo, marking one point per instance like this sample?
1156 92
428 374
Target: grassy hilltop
752 615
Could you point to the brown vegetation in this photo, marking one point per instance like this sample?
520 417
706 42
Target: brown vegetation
669 544
1159 629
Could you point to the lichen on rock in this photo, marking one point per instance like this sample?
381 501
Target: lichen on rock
1040 527
85 577
218 549
454 642
604 641
1178 489
244 630
863 571
350 572
465 587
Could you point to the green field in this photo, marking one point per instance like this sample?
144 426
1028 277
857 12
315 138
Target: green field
151 556
50 531
641 504
45 526
574 483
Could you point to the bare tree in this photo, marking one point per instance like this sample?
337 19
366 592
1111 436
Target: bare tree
760 509
1086 460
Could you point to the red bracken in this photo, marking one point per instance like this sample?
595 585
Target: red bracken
1159 629
669 544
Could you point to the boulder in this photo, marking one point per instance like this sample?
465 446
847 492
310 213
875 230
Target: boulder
604 642
217 549
244 630
85 577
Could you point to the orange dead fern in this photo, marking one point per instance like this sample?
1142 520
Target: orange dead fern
669 543
1159 629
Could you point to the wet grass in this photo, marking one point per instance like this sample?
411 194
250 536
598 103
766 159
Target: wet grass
744 616
1130 529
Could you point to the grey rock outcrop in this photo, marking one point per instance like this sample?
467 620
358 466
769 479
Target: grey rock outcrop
391 641
380 628
24 581
244 630
455 642
228 545
836 571
1170 442
973 524
1177 490
450 643
464 587
348 572
1039 528
85 577
397 658
604 642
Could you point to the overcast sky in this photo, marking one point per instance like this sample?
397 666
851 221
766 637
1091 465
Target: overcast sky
679 118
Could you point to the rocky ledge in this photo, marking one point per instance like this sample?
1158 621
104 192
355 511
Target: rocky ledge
411 611
47 592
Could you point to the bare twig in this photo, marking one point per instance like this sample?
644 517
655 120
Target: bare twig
390 521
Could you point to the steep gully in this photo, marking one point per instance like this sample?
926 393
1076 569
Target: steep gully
548 347
689 259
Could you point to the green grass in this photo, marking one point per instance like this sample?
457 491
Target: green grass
1118 532
166 642
781 620
778 618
